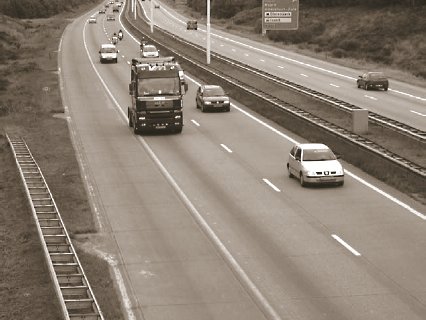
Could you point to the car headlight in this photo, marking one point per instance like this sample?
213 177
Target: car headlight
207 102
339 172
311 173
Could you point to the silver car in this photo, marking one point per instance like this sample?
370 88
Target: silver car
315 163
149 51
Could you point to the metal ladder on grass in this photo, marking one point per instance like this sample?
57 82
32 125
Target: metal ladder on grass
74 292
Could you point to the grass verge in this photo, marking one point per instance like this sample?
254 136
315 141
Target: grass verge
29 99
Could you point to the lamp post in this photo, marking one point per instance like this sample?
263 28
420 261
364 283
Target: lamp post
152 16
208 32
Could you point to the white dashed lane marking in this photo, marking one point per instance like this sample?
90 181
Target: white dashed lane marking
195 122
226 148
269 183
334 85
347 246
418 113
370 97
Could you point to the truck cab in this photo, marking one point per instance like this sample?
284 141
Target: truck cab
156 92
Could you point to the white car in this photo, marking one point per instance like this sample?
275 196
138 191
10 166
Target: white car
108 53
149 51
92 20
315 163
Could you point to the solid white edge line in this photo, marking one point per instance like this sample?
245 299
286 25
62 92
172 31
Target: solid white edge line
195 122
288 59
119 278
226 148
347 246
400 203
269 183
386 195
264 304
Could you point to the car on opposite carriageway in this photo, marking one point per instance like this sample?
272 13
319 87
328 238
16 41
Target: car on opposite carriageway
373 80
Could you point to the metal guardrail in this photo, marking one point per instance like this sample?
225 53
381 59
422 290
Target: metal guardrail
71 285
284 106
332 101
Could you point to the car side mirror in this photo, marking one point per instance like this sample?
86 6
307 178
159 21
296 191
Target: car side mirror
297 158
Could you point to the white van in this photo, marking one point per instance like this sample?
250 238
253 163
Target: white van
108 53
149 51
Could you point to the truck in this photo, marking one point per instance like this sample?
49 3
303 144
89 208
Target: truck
156 87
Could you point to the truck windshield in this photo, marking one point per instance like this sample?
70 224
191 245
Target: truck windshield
156 86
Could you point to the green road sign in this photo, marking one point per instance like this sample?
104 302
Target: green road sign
280 15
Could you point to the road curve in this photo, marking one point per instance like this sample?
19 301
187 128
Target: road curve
355 252
403 102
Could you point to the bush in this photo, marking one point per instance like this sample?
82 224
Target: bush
4 83
350 45
338 53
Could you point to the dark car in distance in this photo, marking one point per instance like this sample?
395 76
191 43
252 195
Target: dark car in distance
373 80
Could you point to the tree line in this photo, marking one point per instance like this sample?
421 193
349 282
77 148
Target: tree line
31 9
228 8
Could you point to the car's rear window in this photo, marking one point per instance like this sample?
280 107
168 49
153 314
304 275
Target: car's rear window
149 49
318 155
108 50
377 75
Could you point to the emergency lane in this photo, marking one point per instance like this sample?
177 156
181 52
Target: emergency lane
398 103
283 240
169 265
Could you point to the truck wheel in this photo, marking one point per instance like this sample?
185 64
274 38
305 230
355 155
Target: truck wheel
178 130
203 108
366 86
135 127
130 120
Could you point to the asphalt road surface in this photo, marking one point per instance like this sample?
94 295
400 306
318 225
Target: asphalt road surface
403 102
207 224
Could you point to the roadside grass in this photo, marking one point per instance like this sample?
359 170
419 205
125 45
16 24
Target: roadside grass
28 102
389 39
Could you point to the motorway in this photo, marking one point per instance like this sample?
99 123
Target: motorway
207 225
403 102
